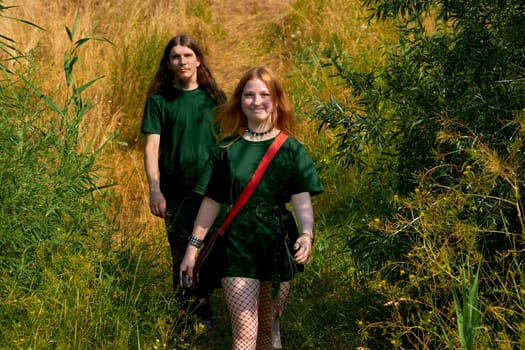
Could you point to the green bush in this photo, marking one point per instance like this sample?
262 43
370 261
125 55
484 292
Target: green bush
443 113
65 280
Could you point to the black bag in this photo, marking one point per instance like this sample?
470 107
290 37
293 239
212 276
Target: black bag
208 267
291 233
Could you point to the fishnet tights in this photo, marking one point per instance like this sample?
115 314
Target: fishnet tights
250 305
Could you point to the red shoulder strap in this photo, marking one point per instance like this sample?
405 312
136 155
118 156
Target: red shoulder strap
254 181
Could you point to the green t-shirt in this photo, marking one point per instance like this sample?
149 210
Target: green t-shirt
183 119
292 171
254 246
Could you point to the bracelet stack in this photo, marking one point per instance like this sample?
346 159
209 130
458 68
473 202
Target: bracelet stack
194 241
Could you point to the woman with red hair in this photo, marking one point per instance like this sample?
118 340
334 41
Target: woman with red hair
263 248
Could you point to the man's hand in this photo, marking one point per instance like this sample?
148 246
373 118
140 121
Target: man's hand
157 204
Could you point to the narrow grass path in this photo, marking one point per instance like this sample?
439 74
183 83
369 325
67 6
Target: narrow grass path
242 45
234 42
239 48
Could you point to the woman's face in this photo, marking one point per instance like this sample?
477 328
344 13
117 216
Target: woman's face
257 103
183 63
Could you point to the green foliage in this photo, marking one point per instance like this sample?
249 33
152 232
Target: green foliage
8 45
324 308
50 184
467 313
137 63
468 73
200 9
385 9
430 139
442 114
64 281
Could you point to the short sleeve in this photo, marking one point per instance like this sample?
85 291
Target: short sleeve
215 179
151 120
305 177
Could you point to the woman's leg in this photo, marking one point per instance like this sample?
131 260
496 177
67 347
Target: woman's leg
270 312
242 298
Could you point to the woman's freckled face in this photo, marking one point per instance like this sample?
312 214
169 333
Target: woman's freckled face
257 103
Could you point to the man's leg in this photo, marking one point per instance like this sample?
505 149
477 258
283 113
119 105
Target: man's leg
179 225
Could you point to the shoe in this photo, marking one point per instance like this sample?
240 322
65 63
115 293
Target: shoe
209 323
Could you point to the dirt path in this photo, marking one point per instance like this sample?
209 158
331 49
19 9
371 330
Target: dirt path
243 22
234 49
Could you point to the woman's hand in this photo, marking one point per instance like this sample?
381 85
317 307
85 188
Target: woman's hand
303 248
187 265
208 211
302 205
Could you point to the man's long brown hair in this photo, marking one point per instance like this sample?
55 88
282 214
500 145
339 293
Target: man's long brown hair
164 77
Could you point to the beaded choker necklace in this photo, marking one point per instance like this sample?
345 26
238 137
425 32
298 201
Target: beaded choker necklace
258 134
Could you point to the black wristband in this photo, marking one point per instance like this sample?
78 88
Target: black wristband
194 241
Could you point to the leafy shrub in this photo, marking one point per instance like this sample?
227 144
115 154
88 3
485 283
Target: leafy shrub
65 282
443 113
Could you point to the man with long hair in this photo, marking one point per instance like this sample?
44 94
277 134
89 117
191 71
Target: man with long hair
178 123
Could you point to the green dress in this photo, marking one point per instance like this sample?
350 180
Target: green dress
258 241
183 119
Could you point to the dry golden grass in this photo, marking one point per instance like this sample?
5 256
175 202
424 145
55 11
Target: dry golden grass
232 34
227 30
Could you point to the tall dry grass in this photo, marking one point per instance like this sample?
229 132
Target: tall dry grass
123 24
289 36
226 30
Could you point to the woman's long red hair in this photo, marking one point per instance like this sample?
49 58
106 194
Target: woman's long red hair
231 119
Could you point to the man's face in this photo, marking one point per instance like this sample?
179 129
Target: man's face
183 63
